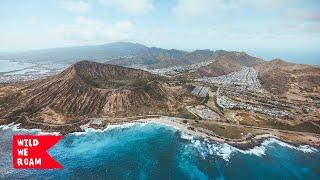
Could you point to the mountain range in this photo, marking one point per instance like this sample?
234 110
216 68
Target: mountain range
110 88
70 55
118 53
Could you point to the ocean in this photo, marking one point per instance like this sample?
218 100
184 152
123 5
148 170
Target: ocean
12 68
156 151
7 66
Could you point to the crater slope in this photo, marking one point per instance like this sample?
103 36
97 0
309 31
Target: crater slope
89 89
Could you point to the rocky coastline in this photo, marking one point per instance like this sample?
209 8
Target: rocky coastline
245 143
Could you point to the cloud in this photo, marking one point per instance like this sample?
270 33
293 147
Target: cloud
130 6
304 14
296 28
75 6
32 20
87 30
220 9
268 4
84 21
190 9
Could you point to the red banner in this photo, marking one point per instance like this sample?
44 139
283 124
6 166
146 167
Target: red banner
30 151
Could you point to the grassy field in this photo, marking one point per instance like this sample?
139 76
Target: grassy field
267 122
224 131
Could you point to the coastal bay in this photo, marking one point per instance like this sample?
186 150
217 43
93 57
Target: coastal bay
152 149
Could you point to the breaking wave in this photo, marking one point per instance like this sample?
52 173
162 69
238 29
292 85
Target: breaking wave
186 136
204 147
225 151
108 128
16 128
303 148
137 147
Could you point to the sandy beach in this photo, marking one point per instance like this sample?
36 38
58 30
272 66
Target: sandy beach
254 137
203 133
246 142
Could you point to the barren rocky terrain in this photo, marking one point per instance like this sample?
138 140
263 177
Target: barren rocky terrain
234 90
88 89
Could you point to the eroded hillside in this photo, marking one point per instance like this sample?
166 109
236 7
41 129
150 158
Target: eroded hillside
88 89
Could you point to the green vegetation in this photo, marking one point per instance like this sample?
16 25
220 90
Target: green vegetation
224 131
276 124
302 127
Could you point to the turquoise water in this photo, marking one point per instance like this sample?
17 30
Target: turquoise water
153 151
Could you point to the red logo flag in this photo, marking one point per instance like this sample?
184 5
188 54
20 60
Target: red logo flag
30 151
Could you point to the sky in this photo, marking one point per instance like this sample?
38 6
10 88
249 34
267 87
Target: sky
282 27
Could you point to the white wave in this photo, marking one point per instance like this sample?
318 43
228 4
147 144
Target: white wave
16 128
120 126
225 151
186 136
257 150
79 133
4 127
197 143
88 130
200 147
41 133
142 124
307 149
108 128
207 148
303 148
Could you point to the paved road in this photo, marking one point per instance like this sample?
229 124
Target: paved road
157 116
87 119
51 124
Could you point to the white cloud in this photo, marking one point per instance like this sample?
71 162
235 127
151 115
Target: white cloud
268 4
32 20
87 30
89 22
190 9
208 9
75 6
304 14
296 28
130 6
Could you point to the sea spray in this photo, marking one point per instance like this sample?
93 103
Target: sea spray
225 151
108 128
16 128
186 136
303 148
155 150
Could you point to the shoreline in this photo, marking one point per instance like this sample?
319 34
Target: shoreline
242 145
246 143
